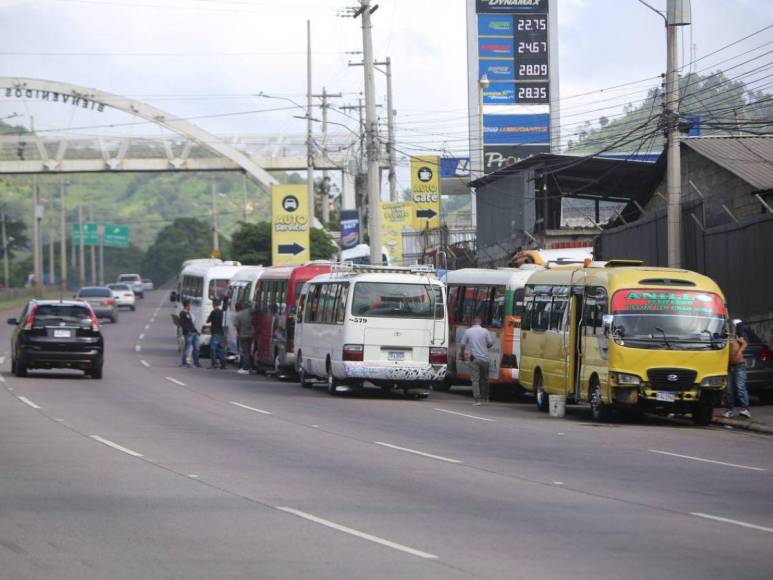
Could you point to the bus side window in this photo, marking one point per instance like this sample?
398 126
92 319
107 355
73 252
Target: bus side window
498 307
557 313
528 307
541 315
340 313
483 304
451 290
469 304
301 306
312 315
518 302
328 297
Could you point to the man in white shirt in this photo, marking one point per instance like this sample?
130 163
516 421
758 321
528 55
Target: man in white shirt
477 341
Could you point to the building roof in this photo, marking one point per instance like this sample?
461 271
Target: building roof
748 157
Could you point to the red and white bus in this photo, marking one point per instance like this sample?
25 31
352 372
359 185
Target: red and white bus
276 294
497 297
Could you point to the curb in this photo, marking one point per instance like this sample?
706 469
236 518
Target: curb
755 426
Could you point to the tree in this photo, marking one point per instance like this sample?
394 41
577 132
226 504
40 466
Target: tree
251 243
16 232
183 239
323 247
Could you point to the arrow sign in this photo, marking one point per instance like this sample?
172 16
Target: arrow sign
295 248
426 214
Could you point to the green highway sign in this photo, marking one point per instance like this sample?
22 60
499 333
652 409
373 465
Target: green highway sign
116 236
90 234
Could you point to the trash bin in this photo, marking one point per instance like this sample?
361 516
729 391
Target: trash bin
557 404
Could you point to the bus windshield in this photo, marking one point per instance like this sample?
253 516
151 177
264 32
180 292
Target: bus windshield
397 300
675 319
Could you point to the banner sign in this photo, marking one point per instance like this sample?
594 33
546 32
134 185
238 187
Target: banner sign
90 234
512 6
116 236
290 236
532 129
646 301
395 218
495 157
350 228
425 190
454 167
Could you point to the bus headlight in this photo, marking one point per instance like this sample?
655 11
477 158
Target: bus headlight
624 379
716 382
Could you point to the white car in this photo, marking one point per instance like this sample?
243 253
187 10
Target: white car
123 295
147 284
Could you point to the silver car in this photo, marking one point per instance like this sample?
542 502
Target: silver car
101 300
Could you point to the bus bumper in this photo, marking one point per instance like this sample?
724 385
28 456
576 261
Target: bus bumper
369 371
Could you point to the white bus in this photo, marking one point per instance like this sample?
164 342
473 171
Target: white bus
360 254
241 289
496 296
381 324
200 283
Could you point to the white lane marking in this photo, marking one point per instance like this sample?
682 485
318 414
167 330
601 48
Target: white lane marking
137 347
465 415
26 401
2 359
115 446
735 522
558 483
2 379
147 327
175 381
144 363
141 336
358 534
707 460
193 476
415 452
261 411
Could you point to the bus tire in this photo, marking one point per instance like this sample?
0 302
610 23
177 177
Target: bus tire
599 410
303 378
332 383
540 396
443 386
702 414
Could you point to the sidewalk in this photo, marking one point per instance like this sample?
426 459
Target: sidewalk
761 421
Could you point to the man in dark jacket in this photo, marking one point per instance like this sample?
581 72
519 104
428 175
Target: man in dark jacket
191 336
217 339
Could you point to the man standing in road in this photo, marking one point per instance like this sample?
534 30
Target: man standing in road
190 336
477 340
217 336
736 376
244 332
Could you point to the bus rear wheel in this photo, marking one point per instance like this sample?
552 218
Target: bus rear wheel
539 394
332 383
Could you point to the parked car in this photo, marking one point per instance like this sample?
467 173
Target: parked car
147 284
134 281
101 300
57 334
123 295
759 367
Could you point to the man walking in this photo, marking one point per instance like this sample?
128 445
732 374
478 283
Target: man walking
244 332
217 336
736 376
477 340
190 336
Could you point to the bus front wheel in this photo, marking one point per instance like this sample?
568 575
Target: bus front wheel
599 410
702 414
539 393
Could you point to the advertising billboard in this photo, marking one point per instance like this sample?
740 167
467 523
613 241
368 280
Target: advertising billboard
290 236
516 129
395 218
425 191
350 228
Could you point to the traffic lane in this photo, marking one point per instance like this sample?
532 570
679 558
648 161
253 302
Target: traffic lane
574 460
477 518
88 506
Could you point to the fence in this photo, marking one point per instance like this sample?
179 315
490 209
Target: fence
738 256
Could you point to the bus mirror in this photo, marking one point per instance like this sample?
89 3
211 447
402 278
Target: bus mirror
607 320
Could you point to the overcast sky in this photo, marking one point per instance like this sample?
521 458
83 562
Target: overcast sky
195 58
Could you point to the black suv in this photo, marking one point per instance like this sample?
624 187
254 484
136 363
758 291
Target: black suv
57 334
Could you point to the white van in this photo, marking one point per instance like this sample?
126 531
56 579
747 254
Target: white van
201 283
241 289
381 324
360 254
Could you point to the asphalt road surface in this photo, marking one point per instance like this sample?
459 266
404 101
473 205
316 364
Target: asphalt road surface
162 472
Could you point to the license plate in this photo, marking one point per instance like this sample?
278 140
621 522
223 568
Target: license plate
665 397
396 355
62 333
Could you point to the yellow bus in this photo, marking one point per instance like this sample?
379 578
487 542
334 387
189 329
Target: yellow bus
618 335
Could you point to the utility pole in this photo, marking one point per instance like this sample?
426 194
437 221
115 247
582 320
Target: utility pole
325 189
374 182
81 248
101 231
5 247
51 230
37 269
678 14
93 249
215 226
309 144
63 235
391 132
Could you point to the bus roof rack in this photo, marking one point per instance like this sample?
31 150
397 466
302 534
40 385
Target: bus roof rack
352 268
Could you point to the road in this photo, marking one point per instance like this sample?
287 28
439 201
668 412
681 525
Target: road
162 472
